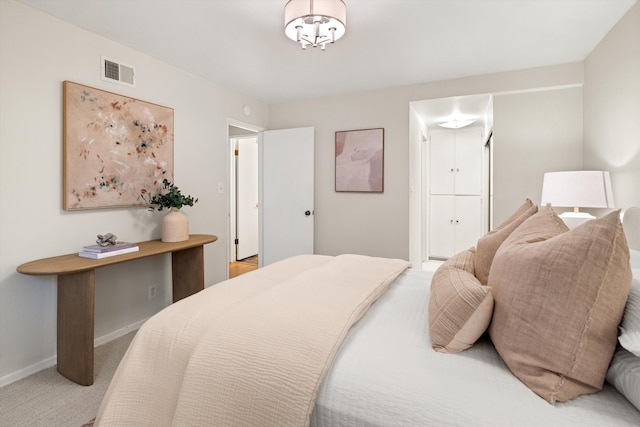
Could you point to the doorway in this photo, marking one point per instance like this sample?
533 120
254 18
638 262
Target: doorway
243 199
426 118
285 176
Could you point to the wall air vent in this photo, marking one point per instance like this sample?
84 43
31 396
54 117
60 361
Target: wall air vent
117 72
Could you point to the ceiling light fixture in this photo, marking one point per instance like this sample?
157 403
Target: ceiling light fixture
456 124
315 22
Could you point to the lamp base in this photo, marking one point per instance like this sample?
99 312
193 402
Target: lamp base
574 219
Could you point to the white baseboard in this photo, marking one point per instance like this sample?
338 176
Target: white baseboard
29 370
118 333
51 361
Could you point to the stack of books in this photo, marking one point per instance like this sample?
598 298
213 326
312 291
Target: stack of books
98 252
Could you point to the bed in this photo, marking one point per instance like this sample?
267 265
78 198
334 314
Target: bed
380 369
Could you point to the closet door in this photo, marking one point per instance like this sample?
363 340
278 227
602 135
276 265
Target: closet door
455 218
442 226
468 162
442 163
468 222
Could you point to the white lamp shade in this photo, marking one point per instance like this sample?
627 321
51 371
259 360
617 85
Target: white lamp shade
577 189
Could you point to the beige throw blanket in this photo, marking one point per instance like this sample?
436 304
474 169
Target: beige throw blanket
250 351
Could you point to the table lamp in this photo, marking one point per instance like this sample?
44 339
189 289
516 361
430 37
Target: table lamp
577 189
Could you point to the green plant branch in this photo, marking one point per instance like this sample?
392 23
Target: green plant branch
172 198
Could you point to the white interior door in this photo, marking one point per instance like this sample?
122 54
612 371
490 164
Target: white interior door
442 170
246 197
468 217
286 194
442 226
469 162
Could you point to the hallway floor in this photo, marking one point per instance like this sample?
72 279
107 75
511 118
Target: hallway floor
243 266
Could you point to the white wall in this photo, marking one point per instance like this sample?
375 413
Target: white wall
367 223
37 53
378 224
534 132
612 109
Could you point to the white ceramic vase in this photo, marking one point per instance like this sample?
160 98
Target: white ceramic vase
175 226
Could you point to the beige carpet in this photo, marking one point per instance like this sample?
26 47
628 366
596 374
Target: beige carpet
48 399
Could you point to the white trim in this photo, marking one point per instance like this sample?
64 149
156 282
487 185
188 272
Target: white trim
537 89
118 333
29 370
52 361
244 125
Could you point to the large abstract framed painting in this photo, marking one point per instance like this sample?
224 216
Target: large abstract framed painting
116 148
360 160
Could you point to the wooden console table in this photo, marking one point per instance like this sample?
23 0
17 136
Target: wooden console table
76 282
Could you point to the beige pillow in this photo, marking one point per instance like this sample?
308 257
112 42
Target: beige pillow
459 306
559 297
489 243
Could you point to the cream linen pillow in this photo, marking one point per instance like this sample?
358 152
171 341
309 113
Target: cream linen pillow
459 306
559 297
489 243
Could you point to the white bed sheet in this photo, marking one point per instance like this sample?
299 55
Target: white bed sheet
387 374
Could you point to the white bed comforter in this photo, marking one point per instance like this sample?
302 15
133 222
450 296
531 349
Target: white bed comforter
387 374
250 351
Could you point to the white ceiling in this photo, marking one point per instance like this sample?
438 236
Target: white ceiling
240 44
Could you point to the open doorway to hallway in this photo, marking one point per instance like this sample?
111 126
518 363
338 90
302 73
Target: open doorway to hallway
243 200
283 168
237 268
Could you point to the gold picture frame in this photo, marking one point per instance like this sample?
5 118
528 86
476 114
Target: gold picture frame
116 148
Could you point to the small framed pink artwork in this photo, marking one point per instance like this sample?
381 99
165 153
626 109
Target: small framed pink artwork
360 160
117 150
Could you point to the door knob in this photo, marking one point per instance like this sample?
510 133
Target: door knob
307 213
